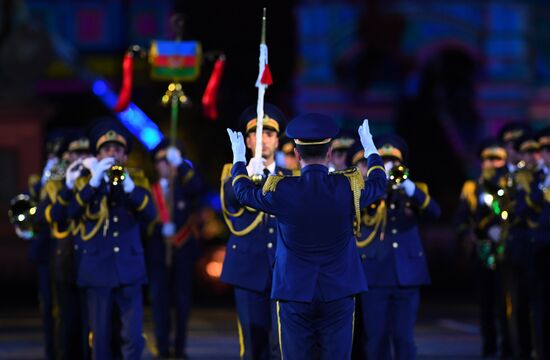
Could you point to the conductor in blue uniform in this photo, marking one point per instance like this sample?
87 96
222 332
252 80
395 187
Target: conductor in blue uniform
317 269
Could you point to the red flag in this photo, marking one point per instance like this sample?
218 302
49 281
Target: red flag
210 97
126 90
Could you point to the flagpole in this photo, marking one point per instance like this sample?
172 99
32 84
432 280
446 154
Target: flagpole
257 176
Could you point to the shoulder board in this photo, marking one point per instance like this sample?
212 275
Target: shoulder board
271 183
347 171
524 179
81 182
226 171
296 172
422 187
139 178
52 187
34 179
469 193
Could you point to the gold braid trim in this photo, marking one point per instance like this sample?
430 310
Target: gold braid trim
247 230
296 172
143 203
424 188
546 195
226 171
79 200
62 201
103 215
48 213
469 194
271 183
224 208
61 234
380 167
238 177
81 182
357 184
380 217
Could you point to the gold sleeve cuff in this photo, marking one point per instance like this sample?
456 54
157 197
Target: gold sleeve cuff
143 203
374 168
238 178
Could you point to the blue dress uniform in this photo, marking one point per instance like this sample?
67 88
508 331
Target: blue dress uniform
40 254
317 269
71 326
480 217
521 225
394 262
542 245
111 265
250 254
170 279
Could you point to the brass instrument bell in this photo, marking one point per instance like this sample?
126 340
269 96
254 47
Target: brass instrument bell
116 174
397 175
21 214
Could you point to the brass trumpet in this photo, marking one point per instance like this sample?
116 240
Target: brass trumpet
21 213
116 174
397 175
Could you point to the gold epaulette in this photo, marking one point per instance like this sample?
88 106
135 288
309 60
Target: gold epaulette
469 194
50 189
33 180
546 194
357 184
139 178
226 171
296 172
271 183
422 187
377 220
81 182
524 178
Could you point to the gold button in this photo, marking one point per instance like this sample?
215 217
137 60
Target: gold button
113 203
271 216
363 256
115 234
393 218
58 251
115 218
394 231
392 206
76 247
116 249
269 245
234 246
395 245
271 230
420 253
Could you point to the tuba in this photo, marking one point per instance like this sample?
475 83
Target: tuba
21 214
397 175
116 174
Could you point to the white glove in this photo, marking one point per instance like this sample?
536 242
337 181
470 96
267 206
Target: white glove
494 233
128 184
72 173
98 170
255 167
47 168
89 162
408 186
237 145
546 182
388 165
168 229
173 155
366 139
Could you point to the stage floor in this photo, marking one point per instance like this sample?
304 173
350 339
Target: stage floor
443 332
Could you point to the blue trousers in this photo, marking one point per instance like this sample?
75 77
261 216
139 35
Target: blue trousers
69 323
388 318
45 297
128 302
256 325
169 286
319 329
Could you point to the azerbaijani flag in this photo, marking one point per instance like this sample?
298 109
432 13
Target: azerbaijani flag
175 60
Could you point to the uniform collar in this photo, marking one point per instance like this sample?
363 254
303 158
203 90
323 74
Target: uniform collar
315 167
